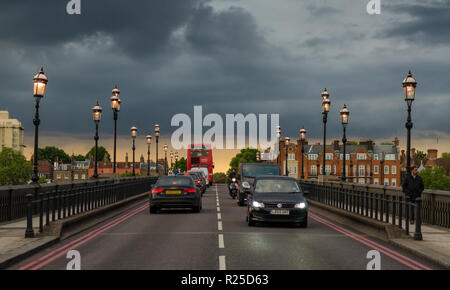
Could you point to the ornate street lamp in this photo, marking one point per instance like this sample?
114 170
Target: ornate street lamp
133 136
157 132
171 158
302 138
344 120
176 158
409 92
115 106
39 85
258 156
325 109
286 142
97 115
165 158
149 142
278 143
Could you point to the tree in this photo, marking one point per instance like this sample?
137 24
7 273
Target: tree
219 177
181 164
129 174
446 155
100 153
420 155
14 168
50 153
387 143
352 143
435 178
80 158
246 155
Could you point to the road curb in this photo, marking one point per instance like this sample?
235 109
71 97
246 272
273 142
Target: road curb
55 230
394 235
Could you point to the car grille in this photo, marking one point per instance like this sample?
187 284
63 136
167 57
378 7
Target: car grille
275 205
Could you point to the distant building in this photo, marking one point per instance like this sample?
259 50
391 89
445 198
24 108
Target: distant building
105 167
11 132
366 163
45 169
75 171
431 160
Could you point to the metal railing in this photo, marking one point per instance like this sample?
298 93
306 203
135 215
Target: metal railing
55 201
383 203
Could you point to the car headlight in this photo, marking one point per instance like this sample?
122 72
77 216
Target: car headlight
234 179
257 204
246 185
301 205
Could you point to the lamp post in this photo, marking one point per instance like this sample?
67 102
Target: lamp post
40 83
149 142
165 158
409 92
302 138
325 109
286 142
176 158
171 158
157 132
115 106
97 115
278 142
133 136
258 156
344 120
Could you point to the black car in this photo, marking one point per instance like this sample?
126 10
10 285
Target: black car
175 192
247 174
198 179
277 199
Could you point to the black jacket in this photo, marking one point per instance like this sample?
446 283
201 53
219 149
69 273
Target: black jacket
233 174
413 186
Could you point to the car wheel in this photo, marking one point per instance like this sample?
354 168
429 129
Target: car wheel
153 209
196 209
250 222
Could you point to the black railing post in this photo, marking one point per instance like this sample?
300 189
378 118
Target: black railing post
29 233
394 209
407 209
47 208
9 214
400 212
418 232
41 212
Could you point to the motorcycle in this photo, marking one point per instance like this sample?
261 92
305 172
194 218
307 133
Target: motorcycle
233 188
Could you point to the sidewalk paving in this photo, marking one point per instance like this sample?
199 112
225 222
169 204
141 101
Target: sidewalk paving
14 245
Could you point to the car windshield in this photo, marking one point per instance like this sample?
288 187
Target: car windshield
277 185
174 181
249 170
195 176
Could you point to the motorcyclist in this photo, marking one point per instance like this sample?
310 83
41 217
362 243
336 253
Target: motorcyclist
233 174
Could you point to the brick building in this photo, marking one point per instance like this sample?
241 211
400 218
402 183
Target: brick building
366 163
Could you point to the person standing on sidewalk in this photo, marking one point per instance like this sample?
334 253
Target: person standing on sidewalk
413 187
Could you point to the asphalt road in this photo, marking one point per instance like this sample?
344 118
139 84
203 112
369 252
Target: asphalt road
218 238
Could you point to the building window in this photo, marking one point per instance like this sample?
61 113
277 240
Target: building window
313 156
291 156
368 170
329 156
394 182
375 169
66 176
313 170
75 176
335 172
58 176
375 181
292 169
386 169
83 176
386 181
375 157
361 181
389 157
361 156
361 170
394 169
354 170
327 169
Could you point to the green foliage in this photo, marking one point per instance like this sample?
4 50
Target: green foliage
387 143
129 174
446 155
42 180
14 168
100 153
420 155
181 165
219 177
80 158
246 155
352 143
50 153
435 178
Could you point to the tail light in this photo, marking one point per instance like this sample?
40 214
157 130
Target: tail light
190 190
198 181
159 190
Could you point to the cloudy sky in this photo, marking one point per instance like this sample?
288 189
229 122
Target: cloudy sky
231 56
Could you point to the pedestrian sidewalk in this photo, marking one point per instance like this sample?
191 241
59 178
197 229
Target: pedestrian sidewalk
14 245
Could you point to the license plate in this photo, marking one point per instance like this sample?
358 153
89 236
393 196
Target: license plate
280 211
173 191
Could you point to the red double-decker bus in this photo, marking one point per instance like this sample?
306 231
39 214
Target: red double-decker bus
199 157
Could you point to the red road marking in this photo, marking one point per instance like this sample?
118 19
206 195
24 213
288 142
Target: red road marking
80 240
388 252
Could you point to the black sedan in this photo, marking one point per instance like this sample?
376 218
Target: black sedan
277 199
198 179
175 192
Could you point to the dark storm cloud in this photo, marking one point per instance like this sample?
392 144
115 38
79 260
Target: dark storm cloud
429 22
